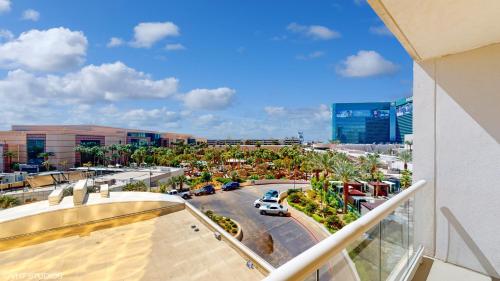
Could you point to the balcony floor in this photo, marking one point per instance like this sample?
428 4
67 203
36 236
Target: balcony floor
436 270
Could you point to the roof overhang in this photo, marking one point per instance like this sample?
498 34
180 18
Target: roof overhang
435 28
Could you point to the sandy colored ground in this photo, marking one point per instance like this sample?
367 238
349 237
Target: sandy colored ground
162 248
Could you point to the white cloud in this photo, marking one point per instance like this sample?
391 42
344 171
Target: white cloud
209 99
148 117
111 115
323 113
44 50
6 35
380 30
365 64
310 56
4 6
148 33
174 47
114 42
282 122
207 120
275 110
91 84
31 14
318 32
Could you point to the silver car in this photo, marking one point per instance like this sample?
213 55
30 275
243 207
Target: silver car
273 209
265 201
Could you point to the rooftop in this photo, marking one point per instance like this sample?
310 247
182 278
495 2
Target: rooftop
162 248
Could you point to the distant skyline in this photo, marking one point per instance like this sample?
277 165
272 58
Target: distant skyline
215 69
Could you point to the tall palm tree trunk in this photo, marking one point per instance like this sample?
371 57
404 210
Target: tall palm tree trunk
346 194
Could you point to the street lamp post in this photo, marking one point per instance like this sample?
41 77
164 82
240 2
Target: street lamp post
150 173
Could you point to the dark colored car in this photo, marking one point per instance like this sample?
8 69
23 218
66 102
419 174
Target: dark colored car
207 189
231 186
271 193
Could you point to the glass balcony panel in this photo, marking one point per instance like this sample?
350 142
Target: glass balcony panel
395 243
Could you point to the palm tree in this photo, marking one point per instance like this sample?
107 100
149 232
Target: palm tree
181 180
9 155
113 149
322 162
139 155
405 179
124 150
372 162
306 168
409 143
46 162
405 156
346 170
172 182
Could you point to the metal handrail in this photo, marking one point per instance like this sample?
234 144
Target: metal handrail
313 258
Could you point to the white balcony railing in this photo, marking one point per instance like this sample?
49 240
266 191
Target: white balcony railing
377 246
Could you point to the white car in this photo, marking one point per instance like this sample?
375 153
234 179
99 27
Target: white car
265 201
183 194
274 209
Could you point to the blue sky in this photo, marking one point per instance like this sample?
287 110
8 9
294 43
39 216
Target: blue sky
213 68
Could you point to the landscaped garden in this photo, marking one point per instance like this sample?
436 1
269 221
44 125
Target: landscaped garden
226 223
8 202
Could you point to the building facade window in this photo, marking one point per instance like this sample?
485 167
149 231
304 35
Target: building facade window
35 145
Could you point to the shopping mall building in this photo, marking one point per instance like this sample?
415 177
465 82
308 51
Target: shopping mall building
28 141
372 122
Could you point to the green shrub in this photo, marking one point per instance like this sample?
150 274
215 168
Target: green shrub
333 222
223 180
253 177
328 211
318 218
293 190
206 176
163 188
311 207
8 202
294 197
311 194
270 177
350 217
137 186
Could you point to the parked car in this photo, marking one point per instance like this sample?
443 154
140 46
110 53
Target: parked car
264 201
185 194
207 189
271 193
231 186
273 209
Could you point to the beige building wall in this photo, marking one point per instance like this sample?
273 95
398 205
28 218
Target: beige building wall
456 149
63 147
16 142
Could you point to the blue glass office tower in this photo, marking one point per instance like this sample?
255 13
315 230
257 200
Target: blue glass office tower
372 122
361 122
404 118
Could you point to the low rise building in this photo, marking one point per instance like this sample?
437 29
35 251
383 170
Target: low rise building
285 141
27 142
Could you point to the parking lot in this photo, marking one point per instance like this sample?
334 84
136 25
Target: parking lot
276 239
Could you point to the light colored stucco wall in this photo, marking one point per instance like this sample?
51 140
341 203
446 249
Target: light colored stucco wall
63 147
16 142
459 97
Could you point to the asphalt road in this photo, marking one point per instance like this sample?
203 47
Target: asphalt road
276 239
